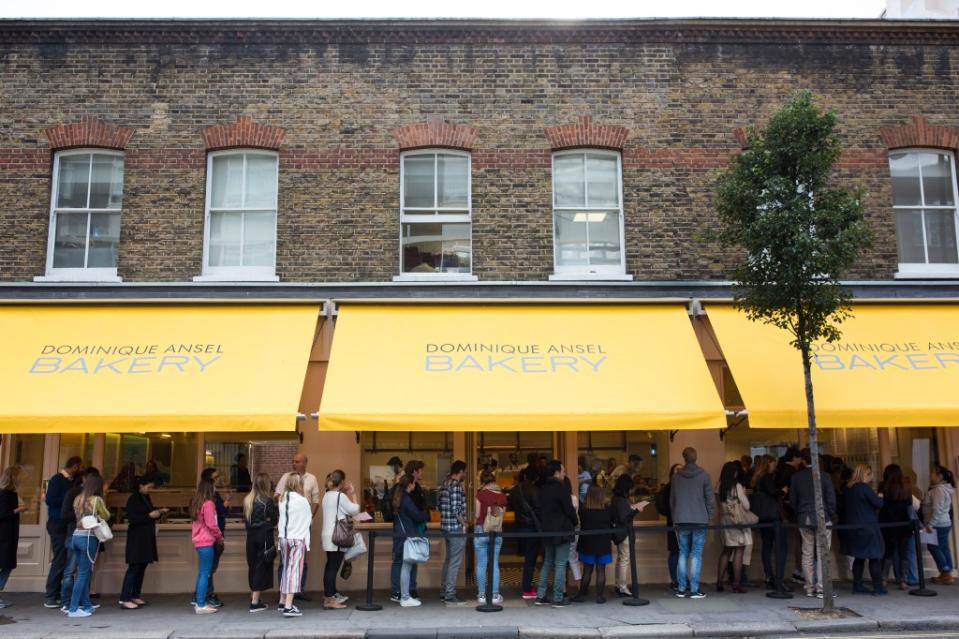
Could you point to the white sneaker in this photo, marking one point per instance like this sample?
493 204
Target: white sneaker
204 610
79 612
497 598
481 600
3 604
340 597
410 602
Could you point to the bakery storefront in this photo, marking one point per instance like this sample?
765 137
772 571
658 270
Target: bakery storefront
169 389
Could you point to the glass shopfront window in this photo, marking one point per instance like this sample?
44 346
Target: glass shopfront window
605 455
434 449
75 445
27 452
506 453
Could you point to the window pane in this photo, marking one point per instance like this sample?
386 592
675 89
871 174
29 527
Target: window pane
225 239
26 451
568 181
260 182
418 181
604 241
571 239
941 237
73 181
70 241
106 188
436 248
227 182
603 180
937 179
905 179
258 239
453 181
909 237
104 239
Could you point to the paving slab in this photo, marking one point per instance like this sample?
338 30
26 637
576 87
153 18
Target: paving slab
664 630
558 632
742 629
478 632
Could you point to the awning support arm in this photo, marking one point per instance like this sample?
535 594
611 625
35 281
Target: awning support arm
741 416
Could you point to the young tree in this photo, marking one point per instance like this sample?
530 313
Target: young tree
797 233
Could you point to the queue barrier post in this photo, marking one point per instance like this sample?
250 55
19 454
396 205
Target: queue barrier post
369 605
780 592
921 591
635 599
488 605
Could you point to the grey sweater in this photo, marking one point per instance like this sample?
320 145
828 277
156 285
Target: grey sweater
691 498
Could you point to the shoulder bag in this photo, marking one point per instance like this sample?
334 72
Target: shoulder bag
343 528
416 550
268 554
96 524
739 514
494 519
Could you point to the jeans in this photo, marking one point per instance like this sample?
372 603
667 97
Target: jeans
397 568
455 549
59 551
133 582
912 574
481 545
4 575
210 591
531 547
334 560
85 548
69 572
205 555
554 561
690 561
407 570
941 553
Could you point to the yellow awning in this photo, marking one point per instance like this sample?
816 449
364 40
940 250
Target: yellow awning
504 368
149 369
896 365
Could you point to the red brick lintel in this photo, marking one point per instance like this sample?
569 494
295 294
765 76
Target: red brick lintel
88 132
919 133
435 133
583 133
244 132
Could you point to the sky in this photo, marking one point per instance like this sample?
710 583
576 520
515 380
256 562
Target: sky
444 9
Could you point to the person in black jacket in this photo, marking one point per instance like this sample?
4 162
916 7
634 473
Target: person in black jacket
141 547
10 510
522 501
766 502
261 515
896 507
672 544
865 541
594 550
556 514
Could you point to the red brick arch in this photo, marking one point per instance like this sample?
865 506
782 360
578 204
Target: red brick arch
243 132
919 133
584 133
88 132
435 133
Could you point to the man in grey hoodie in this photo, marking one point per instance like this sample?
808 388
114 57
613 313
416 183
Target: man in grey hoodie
693 505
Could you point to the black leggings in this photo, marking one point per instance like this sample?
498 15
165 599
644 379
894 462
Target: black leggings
588 576
768 536
897 541
875 571
333 562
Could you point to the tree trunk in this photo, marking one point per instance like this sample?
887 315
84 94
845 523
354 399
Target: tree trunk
822 533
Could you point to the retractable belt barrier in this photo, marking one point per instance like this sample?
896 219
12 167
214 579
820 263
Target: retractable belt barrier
630 532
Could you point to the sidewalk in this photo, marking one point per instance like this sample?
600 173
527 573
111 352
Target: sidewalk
719 615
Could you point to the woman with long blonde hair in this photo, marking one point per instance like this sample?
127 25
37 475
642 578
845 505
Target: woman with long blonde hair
865 542
260 515
10 510
84 544
294 532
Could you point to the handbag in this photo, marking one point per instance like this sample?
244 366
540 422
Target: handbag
343 529
97 525
739 514
357 549
268 553
494 519
416 550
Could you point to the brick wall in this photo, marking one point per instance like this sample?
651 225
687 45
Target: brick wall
339 93
274 458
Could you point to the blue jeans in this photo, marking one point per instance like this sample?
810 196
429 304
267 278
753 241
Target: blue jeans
691 542
941 553
69 571
83 548
481 545
555 558
205 554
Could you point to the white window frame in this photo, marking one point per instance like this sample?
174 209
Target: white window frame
88 274
238 273
912 270
590 272
436 218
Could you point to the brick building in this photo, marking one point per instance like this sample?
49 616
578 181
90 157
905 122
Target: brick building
201 163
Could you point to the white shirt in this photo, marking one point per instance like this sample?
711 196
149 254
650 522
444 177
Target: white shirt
331 515
310 487
297 525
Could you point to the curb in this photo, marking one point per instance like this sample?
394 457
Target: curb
838 625
945 622
664 630
745 629
558 632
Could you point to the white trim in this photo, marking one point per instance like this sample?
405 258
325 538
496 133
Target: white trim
922 271
580 276
589 271
440 215
73 274
238 273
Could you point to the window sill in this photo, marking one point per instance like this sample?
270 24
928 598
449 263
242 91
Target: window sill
930 275
435 277
590 277
91 277
236 277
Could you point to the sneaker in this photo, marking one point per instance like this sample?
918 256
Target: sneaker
4 604
414 593
410 602
51 603
258 607
680 593
497 598
279 607
93 606
292 611
340 597
204 610
529 594
481 600
91 609
562 603
214 601
810 593
64 609
395 597
330 603
193 602
697 595
542 601
454 600
79 613
798 578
